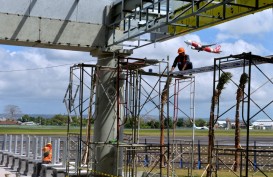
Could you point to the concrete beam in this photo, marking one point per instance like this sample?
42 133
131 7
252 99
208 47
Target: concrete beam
50 33
86 11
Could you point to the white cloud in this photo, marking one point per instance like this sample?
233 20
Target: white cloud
42 91
193 37
25 77
225 36
254 24
241 46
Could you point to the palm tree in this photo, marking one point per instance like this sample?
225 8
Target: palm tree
239 97
164 99
223 80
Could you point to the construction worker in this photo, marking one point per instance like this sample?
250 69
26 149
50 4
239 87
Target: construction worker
182 60
47 157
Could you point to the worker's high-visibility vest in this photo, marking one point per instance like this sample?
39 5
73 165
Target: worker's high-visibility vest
47 156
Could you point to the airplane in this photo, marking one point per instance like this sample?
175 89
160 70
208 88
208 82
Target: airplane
200 128
200 47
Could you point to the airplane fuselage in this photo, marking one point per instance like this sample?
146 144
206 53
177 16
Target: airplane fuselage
200 47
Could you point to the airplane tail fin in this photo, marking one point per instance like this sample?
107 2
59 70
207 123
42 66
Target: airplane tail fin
217 49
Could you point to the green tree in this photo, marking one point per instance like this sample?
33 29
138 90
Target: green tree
187 122
142 123
131 122
75 121
153 124
43 121
180 122
170 123
25 118
128 122
200 122
59 120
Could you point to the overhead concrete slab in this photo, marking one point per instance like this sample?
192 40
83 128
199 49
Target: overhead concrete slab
75 10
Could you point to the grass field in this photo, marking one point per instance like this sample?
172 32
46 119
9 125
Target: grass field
62 130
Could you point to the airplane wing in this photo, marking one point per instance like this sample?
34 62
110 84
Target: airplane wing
209 45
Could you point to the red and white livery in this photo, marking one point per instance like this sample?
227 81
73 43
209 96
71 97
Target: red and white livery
200 47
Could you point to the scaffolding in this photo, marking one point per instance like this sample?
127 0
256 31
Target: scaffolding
182 86
141 95
79 103
250 65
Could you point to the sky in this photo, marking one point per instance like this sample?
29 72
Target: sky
36 79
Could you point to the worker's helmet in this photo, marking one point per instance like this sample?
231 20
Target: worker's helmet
181 50
48 144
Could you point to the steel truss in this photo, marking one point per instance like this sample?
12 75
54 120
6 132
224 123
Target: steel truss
139 23
249 109
140 96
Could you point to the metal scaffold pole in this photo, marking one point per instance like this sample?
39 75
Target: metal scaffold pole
192 115
248 62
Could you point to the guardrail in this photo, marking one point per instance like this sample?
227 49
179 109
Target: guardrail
22 153
25 152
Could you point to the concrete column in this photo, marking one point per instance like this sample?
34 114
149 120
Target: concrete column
105 125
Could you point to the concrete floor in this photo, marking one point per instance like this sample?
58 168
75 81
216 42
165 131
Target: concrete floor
8 172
